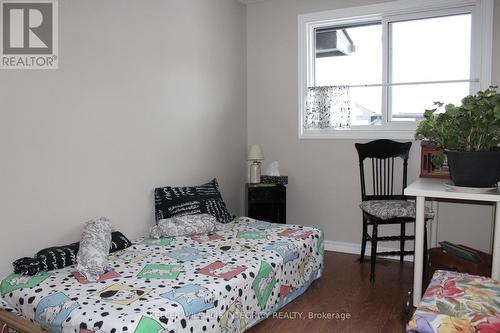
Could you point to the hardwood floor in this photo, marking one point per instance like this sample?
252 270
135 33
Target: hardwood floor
345 289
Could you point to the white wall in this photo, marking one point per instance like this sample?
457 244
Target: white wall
324 188
148 93
154 93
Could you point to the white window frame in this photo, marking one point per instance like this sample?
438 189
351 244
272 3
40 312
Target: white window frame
481 54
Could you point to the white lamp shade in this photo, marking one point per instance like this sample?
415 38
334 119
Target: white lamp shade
255 153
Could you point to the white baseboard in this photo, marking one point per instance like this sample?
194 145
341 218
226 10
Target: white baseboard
353 248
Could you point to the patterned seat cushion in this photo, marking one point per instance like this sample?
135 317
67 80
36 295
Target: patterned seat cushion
457 302
389 209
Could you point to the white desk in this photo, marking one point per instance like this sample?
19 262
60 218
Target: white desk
434 188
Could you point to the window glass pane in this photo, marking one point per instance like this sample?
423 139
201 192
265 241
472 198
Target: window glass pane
431 49
366 106
353 56
348 55
410 101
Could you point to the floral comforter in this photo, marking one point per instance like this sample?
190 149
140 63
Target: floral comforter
226 281
456 302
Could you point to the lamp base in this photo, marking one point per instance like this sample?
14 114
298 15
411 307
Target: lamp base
255 173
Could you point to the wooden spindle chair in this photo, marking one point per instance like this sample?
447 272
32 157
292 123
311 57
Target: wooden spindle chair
385 205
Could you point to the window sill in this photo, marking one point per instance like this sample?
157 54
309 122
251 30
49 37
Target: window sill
395 134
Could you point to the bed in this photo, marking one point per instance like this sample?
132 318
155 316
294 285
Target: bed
226 281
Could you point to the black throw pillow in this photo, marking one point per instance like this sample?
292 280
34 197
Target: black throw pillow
58 257
27 266
190 200
119 242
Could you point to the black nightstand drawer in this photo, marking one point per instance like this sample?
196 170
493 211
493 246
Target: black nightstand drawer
267 203
266 195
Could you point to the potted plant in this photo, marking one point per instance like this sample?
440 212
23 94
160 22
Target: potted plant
470 136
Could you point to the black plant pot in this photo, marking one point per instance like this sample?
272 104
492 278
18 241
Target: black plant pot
474 168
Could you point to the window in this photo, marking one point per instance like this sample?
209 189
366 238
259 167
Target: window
371 71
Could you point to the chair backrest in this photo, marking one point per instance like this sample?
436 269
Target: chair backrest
383 154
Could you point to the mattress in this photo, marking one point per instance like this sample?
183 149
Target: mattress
226 281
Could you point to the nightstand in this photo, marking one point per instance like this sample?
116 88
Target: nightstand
266 202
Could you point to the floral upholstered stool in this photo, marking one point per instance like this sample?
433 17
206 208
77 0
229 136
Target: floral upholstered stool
457 302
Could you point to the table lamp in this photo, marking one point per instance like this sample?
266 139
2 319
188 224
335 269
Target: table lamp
255 156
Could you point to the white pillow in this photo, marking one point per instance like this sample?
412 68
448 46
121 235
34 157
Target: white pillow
92 257
184 226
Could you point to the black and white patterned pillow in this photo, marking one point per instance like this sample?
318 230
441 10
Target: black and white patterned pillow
92 257
184 225
27 266
58 257
191 200
119 242
47 260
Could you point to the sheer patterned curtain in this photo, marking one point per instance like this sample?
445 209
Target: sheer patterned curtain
328 107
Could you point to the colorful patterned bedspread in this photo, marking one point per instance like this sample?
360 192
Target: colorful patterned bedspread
226 281
456 302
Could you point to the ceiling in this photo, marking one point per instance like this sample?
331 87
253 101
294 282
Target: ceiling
246 2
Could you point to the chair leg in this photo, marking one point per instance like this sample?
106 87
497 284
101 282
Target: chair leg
374 251
363 240
402 242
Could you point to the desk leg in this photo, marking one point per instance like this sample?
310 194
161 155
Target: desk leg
418 265
495 267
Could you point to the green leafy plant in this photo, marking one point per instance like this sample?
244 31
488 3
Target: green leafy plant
438 160
472 126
